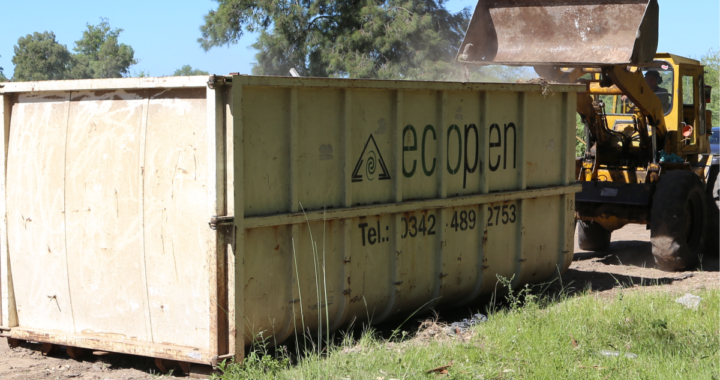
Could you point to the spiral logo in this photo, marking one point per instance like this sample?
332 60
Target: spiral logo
372 160
370 165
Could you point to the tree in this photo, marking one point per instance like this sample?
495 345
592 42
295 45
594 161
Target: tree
39 56
3 78
388 39
99 55
187 70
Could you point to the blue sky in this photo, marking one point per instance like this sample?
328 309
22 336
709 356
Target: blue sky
164 33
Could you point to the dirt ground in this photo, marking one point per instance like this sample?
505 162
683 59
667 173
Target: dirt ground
627 264
27 362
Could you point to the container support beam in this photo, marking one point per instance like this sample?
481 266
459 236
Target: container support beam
239 168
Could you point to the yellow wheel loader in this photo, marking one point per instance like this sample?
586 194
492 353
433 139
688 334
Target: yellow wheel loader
645 122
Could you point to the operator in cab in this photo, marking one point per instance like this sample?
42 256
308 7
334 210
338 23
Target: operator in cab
653 80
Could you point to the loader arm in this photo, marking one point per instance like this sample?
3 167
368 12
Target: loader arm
633 85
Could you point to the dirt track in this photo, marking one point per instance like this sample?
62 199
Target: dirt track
628 263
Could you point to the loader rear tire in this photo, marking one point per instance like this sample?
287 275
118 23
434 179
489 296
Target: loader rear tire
678 220
712 238
592 236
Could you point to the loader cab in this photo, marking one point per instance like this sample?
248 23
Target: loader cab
687 121
679 83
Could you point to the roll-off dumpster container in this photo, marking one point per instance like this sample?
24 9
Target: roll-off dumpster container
359 198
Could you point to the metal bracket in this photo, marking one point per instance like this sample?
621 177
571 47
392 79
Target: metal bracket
215 359
216 221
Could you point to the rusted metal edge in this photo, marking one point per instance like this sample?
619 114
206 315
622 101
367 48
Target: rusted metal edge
162 351
342 83
409 206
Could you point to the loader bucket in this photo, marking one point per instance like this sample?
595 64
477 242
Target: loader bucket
561 33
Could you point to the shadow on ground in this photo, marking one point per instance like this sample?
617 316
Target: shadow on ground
639 254
576 281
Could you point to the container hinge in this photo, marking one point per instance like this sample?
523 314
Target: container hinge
211 81
216 221
214 80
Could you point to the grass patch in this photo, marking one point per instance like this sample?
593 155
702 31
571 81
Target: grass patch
532 338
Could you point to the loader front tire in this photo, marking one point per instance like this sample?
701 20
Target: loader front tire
678 220
592 236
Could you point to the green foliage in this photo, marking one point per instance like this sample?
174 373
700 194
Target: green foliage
259 362
533 338
187 70
99 55
579 135
711 60
389 39
39 56
3 78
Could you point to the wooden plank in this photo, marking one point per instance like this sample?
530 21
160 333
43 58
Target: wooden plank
114 344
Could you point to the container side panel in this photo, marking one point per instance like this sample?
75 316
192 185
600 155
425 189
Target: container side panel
36 210
464 154
319 287
544 152
177 237
502 137
273 287
372 148
369 279
268 280
102 187
541 243
500 239
319 148
460 262
266 116
419 133
418 233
